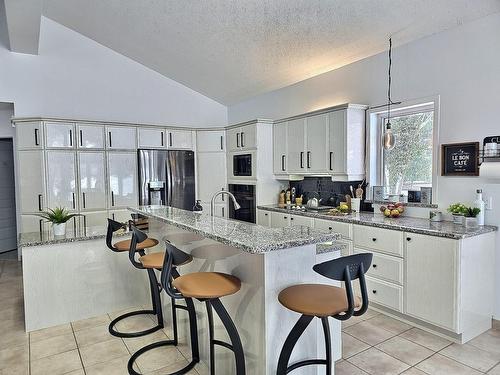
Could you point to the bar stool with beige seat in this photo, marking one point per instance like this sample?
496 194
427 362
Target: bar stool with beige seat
124 246
324 301
208 287
156 261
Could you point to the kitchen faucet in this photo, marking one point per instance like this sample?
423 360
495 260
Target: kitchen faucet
212 201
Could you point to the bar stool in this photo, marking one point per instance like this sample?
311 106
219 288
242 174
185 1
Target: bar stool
207 287
322 301
120 247
156 261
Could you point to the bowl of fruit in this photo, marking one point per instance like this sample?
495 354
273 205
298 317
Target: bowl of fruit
393 210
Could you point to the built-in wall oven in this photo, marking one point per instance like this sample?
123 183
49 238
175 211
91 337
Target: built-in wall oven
245 196
242 165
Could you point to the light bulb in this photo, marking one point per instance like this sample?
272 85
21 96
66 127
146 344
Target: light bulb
388 139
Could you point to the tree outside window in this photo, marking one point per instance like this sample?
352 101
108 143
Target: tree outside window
408 166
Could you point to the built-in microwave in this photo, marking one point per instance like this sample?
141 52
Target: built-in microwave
242 165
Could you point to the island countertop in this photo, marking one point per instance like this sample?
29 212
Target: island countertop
404 223
252 238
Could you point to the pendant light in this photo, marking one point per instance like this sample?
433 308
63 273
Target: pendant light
388 138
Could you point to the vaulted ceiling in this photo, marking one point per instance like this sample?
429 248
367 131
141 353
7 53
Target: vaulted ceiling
231 50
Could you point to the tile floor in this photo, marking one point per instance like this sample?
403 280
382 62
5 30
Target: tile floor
372 344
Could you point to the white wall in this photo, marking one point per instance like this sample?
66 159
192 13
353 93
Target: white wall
462 65
76 77
6 112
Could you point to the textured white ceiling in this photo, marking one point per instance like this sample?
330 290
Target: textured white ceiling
230 50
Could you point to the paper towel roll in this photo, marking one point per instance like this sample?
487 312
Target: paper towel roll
490 170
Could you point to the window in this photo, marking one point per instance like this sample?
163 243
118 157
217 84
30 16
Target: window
409 165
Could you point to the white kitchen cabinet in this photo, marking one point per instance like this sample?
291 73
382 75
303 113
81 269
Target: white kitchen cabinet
96 219
59 135
344 229
122 179
92 181
378 239
296 220
31 174
264 218
279 220
386 294
242 138
385 267
180 139
296 146
32 223
280 149
346 148
210 140
61 179
211 170
317 143
431 267
91 137
151 137
29 135
121 137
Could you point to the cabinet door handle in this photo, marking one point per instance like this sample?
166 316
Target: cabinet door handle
73 198
374 266
81 138
237 139
291 218
40 225
110 140
170 139
85 224
331 157
162 141
265 214
285 217
112 198
330 228
302 160
71 137
40 204
283 163
242 139
222 211
37 143
374 239
308 159
84 200
408 239
374 291
222 142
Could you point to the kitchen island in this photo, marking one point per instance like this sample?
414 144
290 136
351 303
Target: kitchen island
266 260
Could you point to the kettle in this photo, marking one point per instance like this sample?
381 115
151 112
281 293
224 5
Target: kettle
313 203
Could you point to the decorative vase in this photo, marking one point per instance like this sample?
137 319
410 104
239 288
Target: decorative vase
471 222
59 229
458 219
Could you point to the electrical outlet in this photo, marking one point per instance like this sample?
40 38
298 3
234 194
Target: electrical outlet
488 203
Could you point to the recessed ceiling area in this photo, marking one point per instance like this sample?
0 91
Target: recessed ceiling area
233 50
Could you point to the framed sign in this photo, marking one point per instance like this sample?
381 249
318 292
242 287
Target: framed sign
460 159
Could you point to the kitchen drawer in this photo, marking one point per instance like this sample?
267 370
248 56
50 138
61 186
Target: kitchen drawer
301 220
383 240
345 229
384 293
385 267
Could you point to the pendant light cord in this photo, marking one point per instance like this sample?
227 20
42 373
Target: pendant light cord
389 101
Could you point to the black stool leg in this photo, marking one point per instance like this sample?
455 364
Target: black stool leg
236 345
157 310
211 337
294 335
193 330
328 345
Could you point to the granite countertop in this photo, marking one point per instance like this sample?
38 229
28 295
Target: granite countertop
252 238
404 223
47 237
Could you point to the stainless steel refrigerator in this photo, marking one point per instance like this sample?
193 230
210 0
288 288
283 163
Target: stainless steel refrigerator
166 178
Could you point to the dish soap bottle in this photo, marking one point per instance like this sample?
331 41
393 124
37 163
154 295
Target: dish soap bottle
479 203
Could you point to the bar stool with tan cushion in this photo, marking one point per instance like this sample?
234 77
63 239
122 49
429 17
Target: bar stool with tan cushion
207 287
156 261
324 301
125 246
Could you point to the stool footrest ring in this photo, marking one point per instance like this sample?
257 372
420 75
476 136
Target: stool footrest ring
224 344
116 333
307 362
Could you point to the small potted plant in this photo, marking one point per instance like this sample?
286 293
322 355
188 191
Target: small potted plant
470 214
58 217
457 210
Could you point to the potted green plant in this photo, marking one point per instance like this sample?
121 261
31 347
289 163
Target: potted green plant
457 210
470 214
58 217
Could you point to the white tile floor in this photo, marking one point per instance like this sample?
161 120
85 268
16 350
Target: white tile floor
372 344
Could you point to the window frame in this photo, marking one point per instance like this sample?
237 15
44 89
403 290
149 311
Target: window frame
375 156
